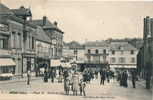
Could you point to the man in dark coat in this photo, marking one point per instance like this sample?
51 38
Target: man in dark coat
28 76
52 75
103 76
65 75
134 77
108 76
124 78
45 75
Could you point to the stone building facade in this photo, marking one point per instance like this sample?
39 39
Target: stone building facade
74 52
54 33
122 55
23 41
96 53
20 39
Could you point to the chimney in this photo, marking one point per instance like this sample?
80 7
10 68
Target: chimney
55 23
44 20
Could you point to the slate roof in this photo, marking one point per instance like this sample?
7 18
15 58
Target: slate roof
42 36
4 10
97 44
121 46
48 25
6 13
74 45
22 11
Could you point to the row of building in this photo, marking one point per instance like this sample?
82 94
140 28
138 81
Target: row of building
25 43
113 54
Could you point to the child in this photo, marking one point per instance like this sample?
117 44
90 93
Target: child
67 87
82 87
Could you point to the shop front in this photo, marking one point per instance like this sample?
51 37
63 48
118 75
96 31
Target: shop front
28 61
7 68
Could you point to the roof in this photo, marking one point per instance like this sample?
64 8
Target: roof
48 25
22 11
74 45
121 46
6 13
97 44
42 36
4 10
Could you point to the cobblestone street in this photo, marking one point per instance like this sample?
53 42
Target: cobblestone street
110 91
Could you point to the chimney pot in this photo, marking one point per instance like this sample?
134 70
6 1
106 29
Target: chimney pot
55 23
44 20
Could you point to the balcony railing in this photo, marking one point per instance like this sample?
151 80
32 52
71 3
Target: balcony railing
105 54
96 62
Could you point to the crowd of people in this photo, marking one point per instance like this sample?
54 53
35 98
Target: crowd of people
75 81
123 78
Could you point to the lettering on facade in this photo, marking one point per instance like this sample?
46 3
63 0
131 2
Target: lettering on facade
4 28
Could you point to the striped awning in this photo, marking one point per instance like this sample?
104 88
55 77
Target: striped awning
7 62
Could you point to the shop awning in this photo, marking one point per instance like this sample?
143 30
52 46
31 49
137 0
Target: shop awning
7 62
6 75
55 63
123 66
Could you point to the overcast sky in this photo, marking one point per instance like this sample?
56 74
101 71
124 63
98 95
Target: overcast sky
91 20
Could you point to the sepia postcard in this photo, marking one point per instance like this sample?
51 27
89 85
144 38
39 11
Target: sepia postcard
76 50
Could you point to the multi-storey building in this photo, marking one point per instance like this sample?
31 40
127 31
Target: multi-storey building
43 48
74 52
54 33
122 55
17 39
96 53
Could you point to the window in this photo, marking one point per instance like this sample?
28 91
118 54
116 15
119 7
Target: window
113 60
89 58
89 51
113 52
13 40
132 60
97 51
96 59
104 51
121 60
19 41
75 52
33 45
5 69
132 51
5 43
30 42
1 44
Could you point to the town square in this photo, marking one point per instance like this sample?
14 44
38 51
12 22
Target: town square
81 50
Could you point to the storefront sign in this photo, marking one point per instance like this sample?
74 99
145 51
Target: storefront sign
4 28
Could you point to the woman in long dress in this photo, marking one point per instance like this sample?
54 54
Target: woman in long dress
75 81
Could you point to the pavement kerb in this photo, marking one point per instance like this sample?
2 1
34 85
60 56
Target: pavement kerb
18 80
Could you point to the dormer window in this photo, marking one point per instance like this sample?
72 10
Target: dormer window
132 51
113 52
97 51
104 51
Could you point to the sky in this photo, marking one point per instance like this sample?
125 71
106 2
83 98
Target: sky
91 20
